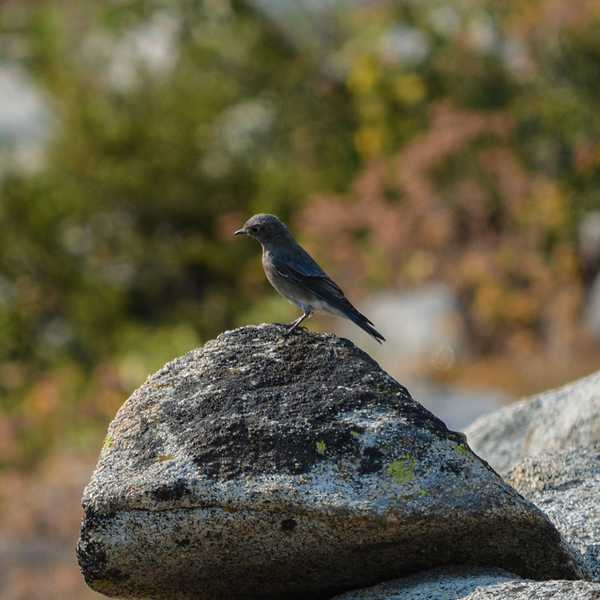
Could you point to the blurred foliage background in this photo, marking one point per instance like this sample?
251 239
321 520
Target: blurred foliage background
406 141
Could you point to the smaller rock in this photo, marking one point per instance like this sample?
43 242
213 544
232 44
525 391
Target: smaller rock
566 486
553 421
472 583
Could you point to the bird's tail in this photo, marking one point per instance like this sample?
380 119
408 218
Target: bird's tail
359 319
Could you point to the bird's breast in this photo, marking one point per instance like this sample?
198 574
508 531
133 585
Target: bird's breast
294 292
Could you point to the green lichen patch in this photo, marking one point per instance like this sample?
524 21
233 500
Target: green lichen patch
355 434
402 470
160 386
321 447
165 458
104 586
108 442
462 449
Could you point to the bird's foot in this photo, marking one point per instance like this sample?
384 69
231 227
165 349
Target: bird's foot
297 323
289 331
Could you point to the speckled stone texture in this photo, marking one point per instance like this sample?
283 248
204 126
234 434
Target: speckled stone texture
566 486
555 420
263 466
471 583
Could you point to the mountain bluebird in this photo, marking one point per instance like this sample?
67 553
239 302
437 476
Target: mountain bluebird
297 277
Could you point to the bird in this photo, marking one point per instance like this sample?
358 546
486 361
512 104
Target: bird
296 275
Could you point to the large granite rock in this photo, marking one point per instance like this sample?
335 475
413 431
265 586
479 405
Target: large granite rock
472 583
555 420
260 466
566 486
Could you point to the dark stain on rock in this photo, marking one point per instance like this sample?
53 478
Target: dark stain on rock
262 403
116 575
91 557
371 461
288 525
91 554
169 492
452 466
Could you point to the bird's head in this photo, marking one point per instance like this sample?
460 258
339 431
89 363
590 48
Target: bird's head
264 228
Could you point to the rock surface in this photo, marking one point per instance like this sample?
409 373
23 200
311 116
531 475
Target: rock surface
264 466
469 583
566 486
556 420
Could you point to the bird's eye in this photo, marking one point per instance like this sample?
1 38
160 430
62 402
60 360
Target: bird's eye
253 229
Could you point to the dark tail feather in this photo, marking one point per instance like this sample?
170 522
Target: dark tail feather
364 323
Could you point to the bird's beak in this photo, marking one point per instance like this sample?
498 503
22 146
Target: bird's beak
240 232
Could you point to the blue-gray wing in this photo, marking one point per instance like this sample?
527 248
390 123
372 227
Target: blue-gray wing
307 273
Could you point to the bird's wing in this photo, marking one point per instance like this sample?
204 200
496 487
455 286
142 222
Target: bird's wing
306 272
302 270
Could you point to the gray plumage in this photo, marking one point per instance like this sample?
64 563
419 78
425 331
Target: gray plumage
296 275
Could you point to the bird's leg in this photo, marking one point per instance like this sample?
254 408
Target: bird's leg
296 323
